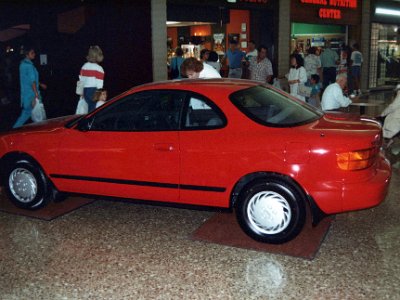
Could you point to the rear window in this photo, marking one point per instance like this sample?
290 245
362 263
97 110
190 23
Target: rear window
272 108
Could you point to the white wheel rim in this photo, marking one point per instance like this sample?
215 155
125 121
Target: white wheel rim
268 212
23 185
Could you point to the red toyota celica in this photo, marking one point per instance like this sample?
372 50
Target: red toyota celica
218 143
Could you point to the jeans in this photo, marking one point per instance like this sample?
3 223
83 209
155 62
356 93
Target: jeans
88 94
235 73
25 114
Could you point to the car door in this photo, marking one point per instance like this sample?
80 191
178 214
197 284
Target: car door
204 159
129 149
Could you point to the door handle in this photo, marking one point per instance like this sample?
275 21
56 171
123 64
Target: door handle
164 147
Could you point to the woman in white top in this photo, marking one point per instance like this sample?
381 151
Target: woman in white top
92 75
297 75
391 125
312 63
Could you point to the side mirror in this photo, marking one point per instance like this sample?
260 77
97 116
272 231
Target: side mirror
84 124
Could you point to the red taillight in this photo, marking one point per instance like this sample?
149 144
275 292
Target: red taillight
356 160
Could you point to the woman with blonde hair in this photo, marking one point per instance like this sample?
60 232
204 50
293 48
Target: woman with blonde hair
92 75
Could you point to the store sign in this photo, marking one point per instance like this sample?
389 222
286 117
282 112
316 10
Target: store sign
332 8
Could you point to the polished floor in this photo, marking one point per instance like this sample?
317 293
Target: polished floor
116 250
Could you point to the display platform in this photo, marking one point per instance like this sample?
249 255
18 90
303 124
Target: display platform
48 213
222 228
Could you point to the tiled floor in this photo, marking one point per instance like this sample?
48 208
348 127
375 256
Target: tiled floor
115 250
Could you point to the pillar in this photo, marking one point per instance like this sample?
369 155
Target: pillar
159 39
365 45
284 37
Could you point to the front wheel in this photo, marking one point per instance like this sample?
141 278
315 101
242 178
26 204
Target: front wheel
27 186
271 210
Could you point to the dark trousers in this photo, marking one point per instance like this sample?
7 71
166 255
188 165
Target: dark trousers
329 76
88 94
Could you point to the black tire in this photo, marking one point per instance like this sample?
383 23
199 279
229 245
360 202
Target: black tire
26 185
271 210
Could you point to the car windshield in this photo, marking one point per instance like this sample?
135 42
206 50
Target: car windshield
272 108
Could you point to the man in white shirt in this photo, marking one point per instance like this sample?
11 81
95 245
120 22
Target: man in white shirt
193 69
333 97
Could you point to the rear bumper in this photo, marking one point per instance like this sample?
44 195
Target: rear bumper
336 197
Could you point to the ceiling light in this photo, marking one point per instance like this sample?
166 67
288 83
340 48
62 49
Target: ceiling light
386 11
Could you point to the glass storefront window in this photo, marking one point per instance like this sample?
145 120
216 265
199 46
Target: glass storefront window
385 55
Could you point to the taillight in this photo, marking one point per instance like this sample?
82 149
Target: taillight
356 160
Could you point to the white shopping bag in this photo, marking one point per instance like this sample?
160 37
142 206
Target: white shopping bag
82 107
38 113
276 84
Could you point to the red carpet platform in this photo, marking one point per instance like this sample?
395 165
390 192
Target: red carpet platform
222 228
48 213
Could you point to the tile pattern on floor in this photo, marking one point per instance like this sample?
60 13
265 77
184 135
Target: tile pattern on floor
116 250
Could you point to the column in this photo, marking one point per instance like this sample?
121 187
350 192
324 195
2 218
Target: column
365 44
284 37
159 39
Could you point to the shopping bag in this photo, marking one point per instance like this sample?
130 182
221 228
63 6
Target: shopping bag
79 88
38 113
276 84
304 90
82 107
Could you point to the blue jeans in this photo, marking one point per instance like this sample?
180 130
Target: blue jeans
88 94
235 73
25 114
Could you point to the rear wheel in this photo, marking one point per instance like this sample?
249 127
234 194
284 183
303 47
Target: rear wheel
271 210
27 186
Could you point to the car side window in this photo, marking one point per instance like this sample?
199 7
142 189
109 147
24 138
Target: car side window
143 111
203 114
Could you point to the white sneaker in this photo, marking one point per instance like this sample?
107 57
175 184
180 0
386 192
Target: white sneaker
353 95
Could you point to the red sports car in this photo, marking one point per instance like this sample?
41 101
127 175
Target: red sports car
219 143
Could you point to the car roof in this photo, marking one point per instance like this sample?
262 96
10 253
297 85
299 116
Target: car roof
200 85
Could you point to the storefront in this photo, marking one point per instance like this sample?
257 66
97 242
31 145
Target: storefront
212 24
385 45
313 23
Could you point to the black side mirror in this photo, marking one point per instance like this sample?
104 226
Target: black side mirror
85 124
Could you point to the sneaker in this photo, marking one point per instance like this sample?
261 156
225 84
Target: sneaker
353 95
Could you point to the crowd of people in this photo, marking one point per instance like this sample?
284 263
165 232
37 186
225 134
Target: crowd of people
321 79
308 78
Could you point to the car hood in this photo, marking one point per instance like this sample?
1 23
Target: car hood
49 124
